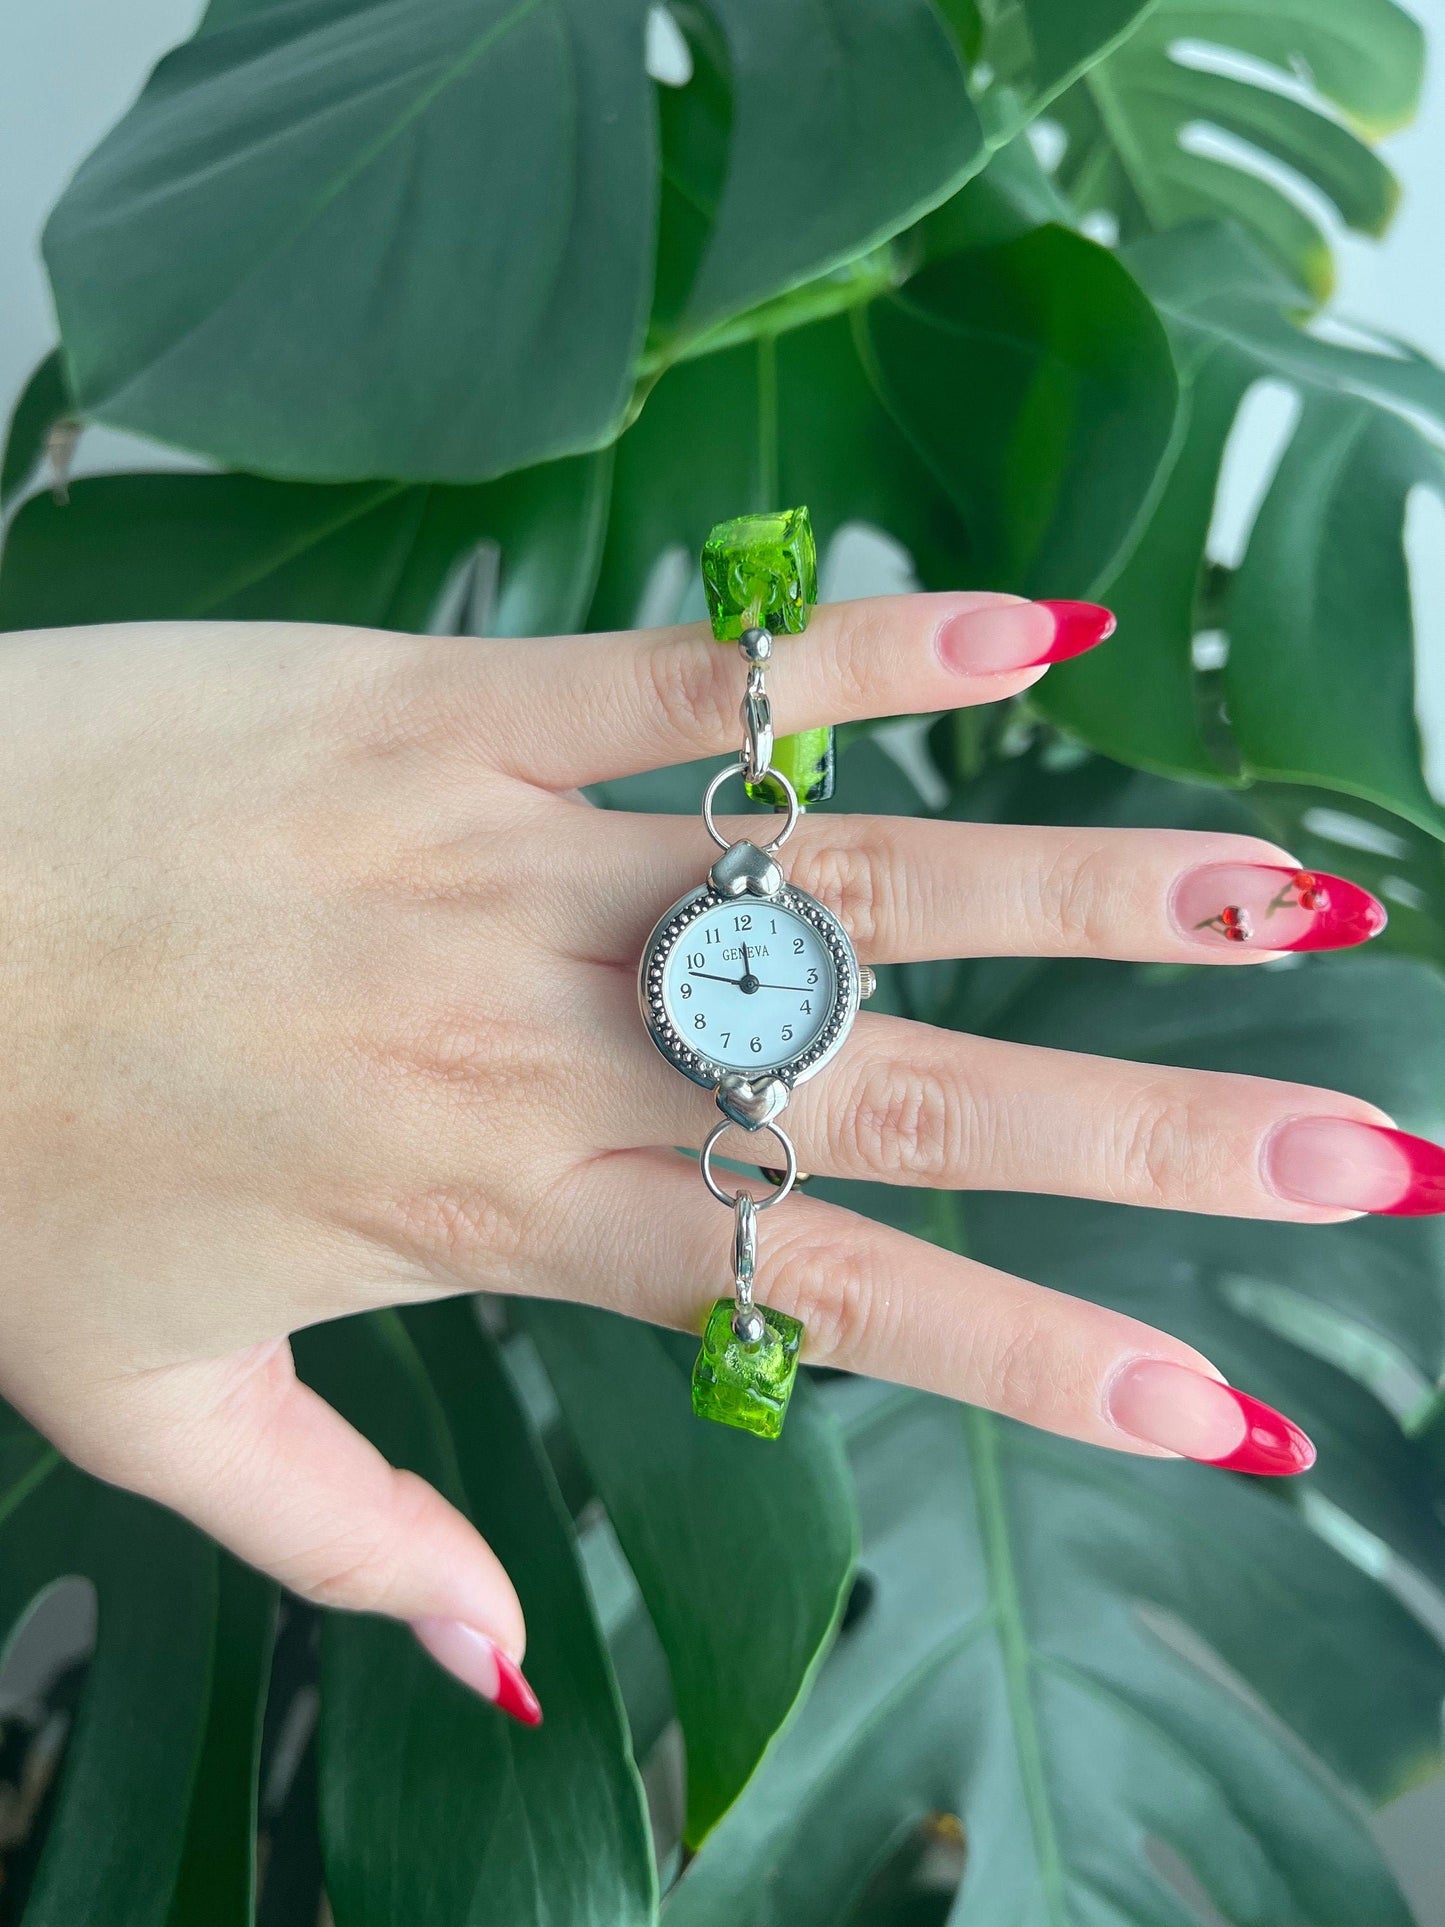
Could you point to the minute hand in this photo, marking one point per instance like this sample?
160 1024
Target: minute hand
802 989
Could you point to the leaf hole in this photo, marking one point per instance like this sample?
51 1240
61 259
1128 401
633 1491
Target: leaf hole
1263 427
666 54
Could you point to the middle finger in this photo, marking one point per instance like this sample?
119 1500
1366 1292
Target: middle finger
908 1103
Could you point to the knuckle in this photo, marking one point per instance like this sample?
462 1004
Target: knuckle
1160 1143
907 1119
1016 1369
837 1295
1079 899
472 1052
865 638
696 690
855 879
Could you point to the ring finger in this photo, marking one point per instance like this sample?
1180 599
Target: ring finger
874 1300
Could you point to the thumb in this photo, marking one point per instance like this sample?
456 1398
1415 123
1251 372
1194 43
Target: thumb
243 1449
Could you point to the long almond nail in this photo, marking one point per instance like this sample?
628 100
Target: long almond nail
1020 635
1266 906
1202 1418
1345 1166
480 1663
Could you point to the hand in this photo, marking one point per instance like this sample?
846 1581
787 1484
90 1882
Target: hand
319 995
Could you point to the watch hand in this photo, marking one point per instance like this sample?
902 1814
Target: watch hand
801 989
734 981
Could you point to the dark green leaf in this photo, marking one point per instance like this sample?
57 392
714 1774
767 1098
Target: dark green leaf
216 1884
703 1515
1036 383
1031 49
880 131
163 547
434 1804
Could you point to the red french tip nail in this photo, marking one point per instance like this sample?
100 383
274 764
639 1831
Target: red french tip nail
1424 1193
514 1695
1077 626
1273 1445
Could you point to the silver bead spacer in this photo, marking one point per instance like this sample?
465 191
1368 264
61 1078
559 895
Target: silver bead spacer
755 645
750 1327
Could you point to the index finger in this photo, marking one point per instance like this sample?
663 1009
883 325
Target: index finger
569 710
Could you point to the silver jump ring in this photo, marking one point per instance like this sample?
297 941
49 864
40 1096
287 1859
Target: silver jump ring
736 769
729 1198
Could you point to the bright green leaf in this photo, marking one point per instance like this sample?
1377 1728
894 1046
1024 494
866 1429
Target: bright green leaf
1133 120
1324 566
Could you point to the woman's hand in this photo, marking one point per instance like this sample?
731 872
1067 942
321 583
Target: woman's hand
319 995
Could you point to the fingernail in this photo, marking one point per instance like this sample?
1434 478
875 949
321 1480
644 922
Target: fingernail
1268 906
1202 1418
1336 1162
1020 635
480 1663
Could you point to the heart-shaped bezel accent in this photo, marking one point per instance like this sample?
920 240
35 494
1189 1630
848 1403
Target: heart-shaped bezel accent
751 1104
745 870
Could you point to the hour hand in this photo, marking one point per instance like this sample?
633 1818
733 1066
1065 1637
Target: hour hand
712 979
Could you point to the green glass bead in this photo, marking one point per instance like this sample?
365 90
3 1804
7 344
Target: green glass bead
807 761
760 572
746 1385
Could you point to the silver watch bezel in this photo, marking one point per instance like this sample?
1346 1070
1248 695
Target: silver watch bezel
668 932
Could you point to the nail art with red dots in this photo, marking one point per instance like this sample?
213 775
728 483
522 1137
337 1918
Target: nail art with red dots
1264 906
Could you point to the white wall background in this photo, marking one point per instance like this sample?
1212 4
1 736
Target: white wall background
69 67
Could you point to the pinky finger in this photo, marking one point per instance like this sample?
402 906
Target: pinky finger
874 1300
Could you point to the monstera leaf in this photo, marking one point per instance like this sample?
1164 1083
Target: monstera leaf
1003 416
1127 1684
337 305
1168 128
1324 564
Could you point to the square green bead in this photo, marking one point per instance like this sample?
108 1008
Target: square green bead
746 1386
761 572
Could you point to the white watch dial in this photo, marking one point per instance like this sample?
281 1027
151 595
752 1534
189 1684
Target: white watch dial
750 985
